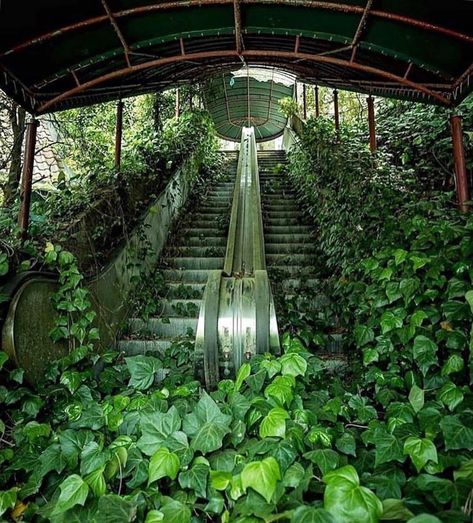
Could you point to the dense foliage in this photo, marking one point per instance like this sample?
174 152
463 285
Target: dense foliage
418 136
111 439
400 285
95 209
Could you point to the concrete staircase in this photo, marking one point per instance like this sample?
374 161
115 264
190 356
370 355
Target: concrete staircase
289 244
195 248
291 258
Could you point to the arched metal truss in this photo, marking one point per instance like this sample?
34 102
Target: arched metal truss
57 54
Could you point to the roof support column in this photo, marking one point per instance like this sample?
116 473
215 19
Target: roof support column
461 179
316 100
304 101
27 178
336 113
118 136
178 103
372 124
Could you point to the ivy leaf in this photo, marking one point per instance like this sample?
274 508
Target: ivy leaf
163 464
74 491
347 500
220 479
176 512
293 364
325 459
162 430
416 398
465 471
450 395
306 514
346 444
96 482
389 321
425 353
154 516
196 479
469 299
363 335
92 457
281 389
456 434
400 255
142 371
420 450
294 475
8 499
274 424
115 509
261 476
454 363
395 509
388 449
272 367
207 426
243 372
370 355
424 518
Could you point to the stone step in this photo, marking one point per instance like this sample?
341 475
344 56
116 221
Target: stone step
186 291
142 347
294 271
288 238
286 229
290 259
203 241
206 224
274 214
201 252
204 232
269 221
195 263
188 308
289 248
165 328
176 276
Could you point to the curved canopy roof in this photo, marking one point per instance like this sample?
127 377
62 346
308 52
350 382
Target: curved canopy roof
248 99
56 54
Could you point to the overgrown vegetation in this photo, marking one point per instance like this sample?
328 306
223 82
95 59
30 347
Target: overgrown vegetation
111 439
418 137
92 211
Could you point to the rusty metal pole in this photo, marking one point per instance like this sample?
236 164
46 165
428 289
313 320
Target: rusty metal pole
178 102
27 178
372 124
316 99
118 136
336 113
461 179
304 101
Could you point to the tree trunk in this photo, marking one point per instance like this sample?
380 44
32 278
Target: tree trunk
17 120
